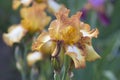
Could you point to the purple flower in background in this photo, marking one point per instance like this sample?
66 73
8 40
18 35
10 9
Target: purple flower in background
104 19
84 14
96 3
99 8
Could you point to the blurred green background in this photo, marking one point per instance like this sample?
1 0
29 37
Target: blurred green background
107 44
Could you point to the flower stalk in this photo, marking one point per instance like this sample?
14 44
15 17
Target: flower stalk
66 68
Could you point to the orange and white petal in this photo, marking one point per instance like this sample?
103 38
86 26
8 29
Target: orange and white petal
42 38
14 35
77 55
92 33
44 44
47 48
91 54
87 32
34 57
54 6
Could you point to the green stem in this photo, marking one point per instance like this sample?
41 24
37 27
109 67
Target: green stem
66 67
23 75
56 76
24 72
64 75
24 65
20 61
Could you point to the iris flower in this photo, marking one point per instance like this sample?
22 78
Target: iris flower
71 35
34 19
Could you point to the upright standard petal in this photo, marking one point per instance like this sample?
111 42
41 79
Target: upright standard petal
64 28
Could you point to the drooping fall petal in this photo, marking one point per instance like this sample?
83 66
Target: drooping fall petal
90 53
77 56
44 44
14 35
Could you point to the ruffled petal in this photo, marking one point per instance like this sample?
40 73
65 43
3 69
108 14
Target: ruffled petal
66 28
77 56
85 30
34 18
